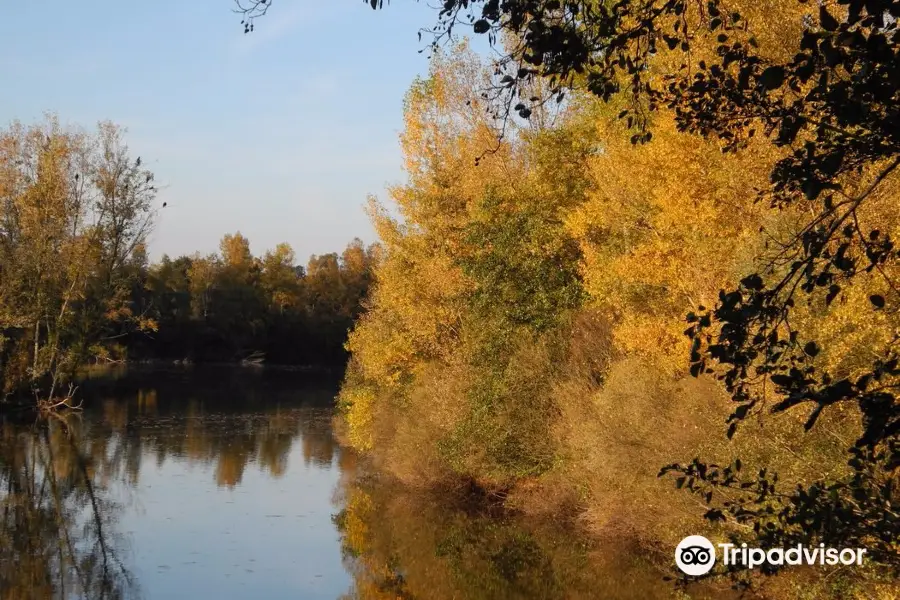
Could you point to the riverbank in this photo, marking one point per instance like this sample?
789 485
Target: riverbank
92 380
610 440
187 363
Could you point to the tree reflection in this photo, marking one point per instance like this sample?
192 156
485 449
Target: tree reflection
227 444
225 424
64 481
58 536
402 544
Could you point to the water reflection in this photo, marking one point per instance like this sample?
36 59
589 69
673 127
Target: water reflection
224 484
58 537
174 484
225 418
401 545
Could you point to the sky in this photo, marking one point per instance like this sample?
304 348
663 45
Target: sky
280 134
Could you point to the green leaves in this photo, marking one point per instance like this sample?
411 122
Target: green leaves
525 265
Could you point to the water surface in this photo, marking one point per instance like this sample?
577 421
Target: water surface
229 483
211 483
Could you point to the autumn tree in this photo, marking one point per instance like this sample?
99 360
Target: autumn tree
75 211
780 253
279 278
477 277
829 106
335 287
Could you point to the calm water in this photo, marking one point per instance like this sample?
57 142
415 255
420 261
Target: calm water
230 484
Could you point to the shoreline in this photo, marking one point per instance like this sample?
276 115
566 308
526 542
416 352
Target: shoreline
176 363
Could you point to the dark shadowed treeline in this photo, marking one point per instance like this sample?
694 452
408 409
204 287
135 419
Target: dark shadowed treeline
233 306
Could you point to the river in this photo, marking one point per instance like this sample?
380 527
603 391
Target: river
229 483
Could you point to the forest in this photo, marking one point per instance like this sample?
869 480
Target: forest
77 288
644 276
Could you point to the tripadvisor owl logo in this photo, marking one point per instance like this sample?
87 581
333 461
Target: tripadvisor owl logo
695 555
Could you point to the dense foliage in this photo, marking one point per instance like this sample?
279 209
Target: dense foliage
528 318
233 306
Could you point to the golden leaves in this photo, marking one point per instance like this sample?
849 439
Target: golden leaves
74 211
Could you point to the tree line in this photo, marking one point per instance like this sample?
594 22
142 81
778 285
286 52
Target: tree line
76 285
232 306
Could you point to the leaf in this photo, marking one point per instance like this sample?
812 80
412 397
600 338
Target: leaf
714 514
752 282
481 26
772 78
864 381
782 380
811 349
741 412
877 300
828 22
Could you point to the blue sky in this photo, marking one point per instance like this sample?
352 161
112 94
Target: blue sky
280 134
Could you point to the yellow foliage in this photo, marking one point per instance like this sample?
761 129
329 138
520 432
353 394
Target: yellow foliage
359 405
447 378
664 235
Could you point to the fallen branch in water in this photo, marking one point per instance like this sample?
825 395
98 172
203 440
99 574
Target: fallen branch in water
52 404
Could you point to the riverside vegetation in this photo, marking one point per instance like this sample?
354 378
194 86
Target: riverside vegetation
76 286
643 276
